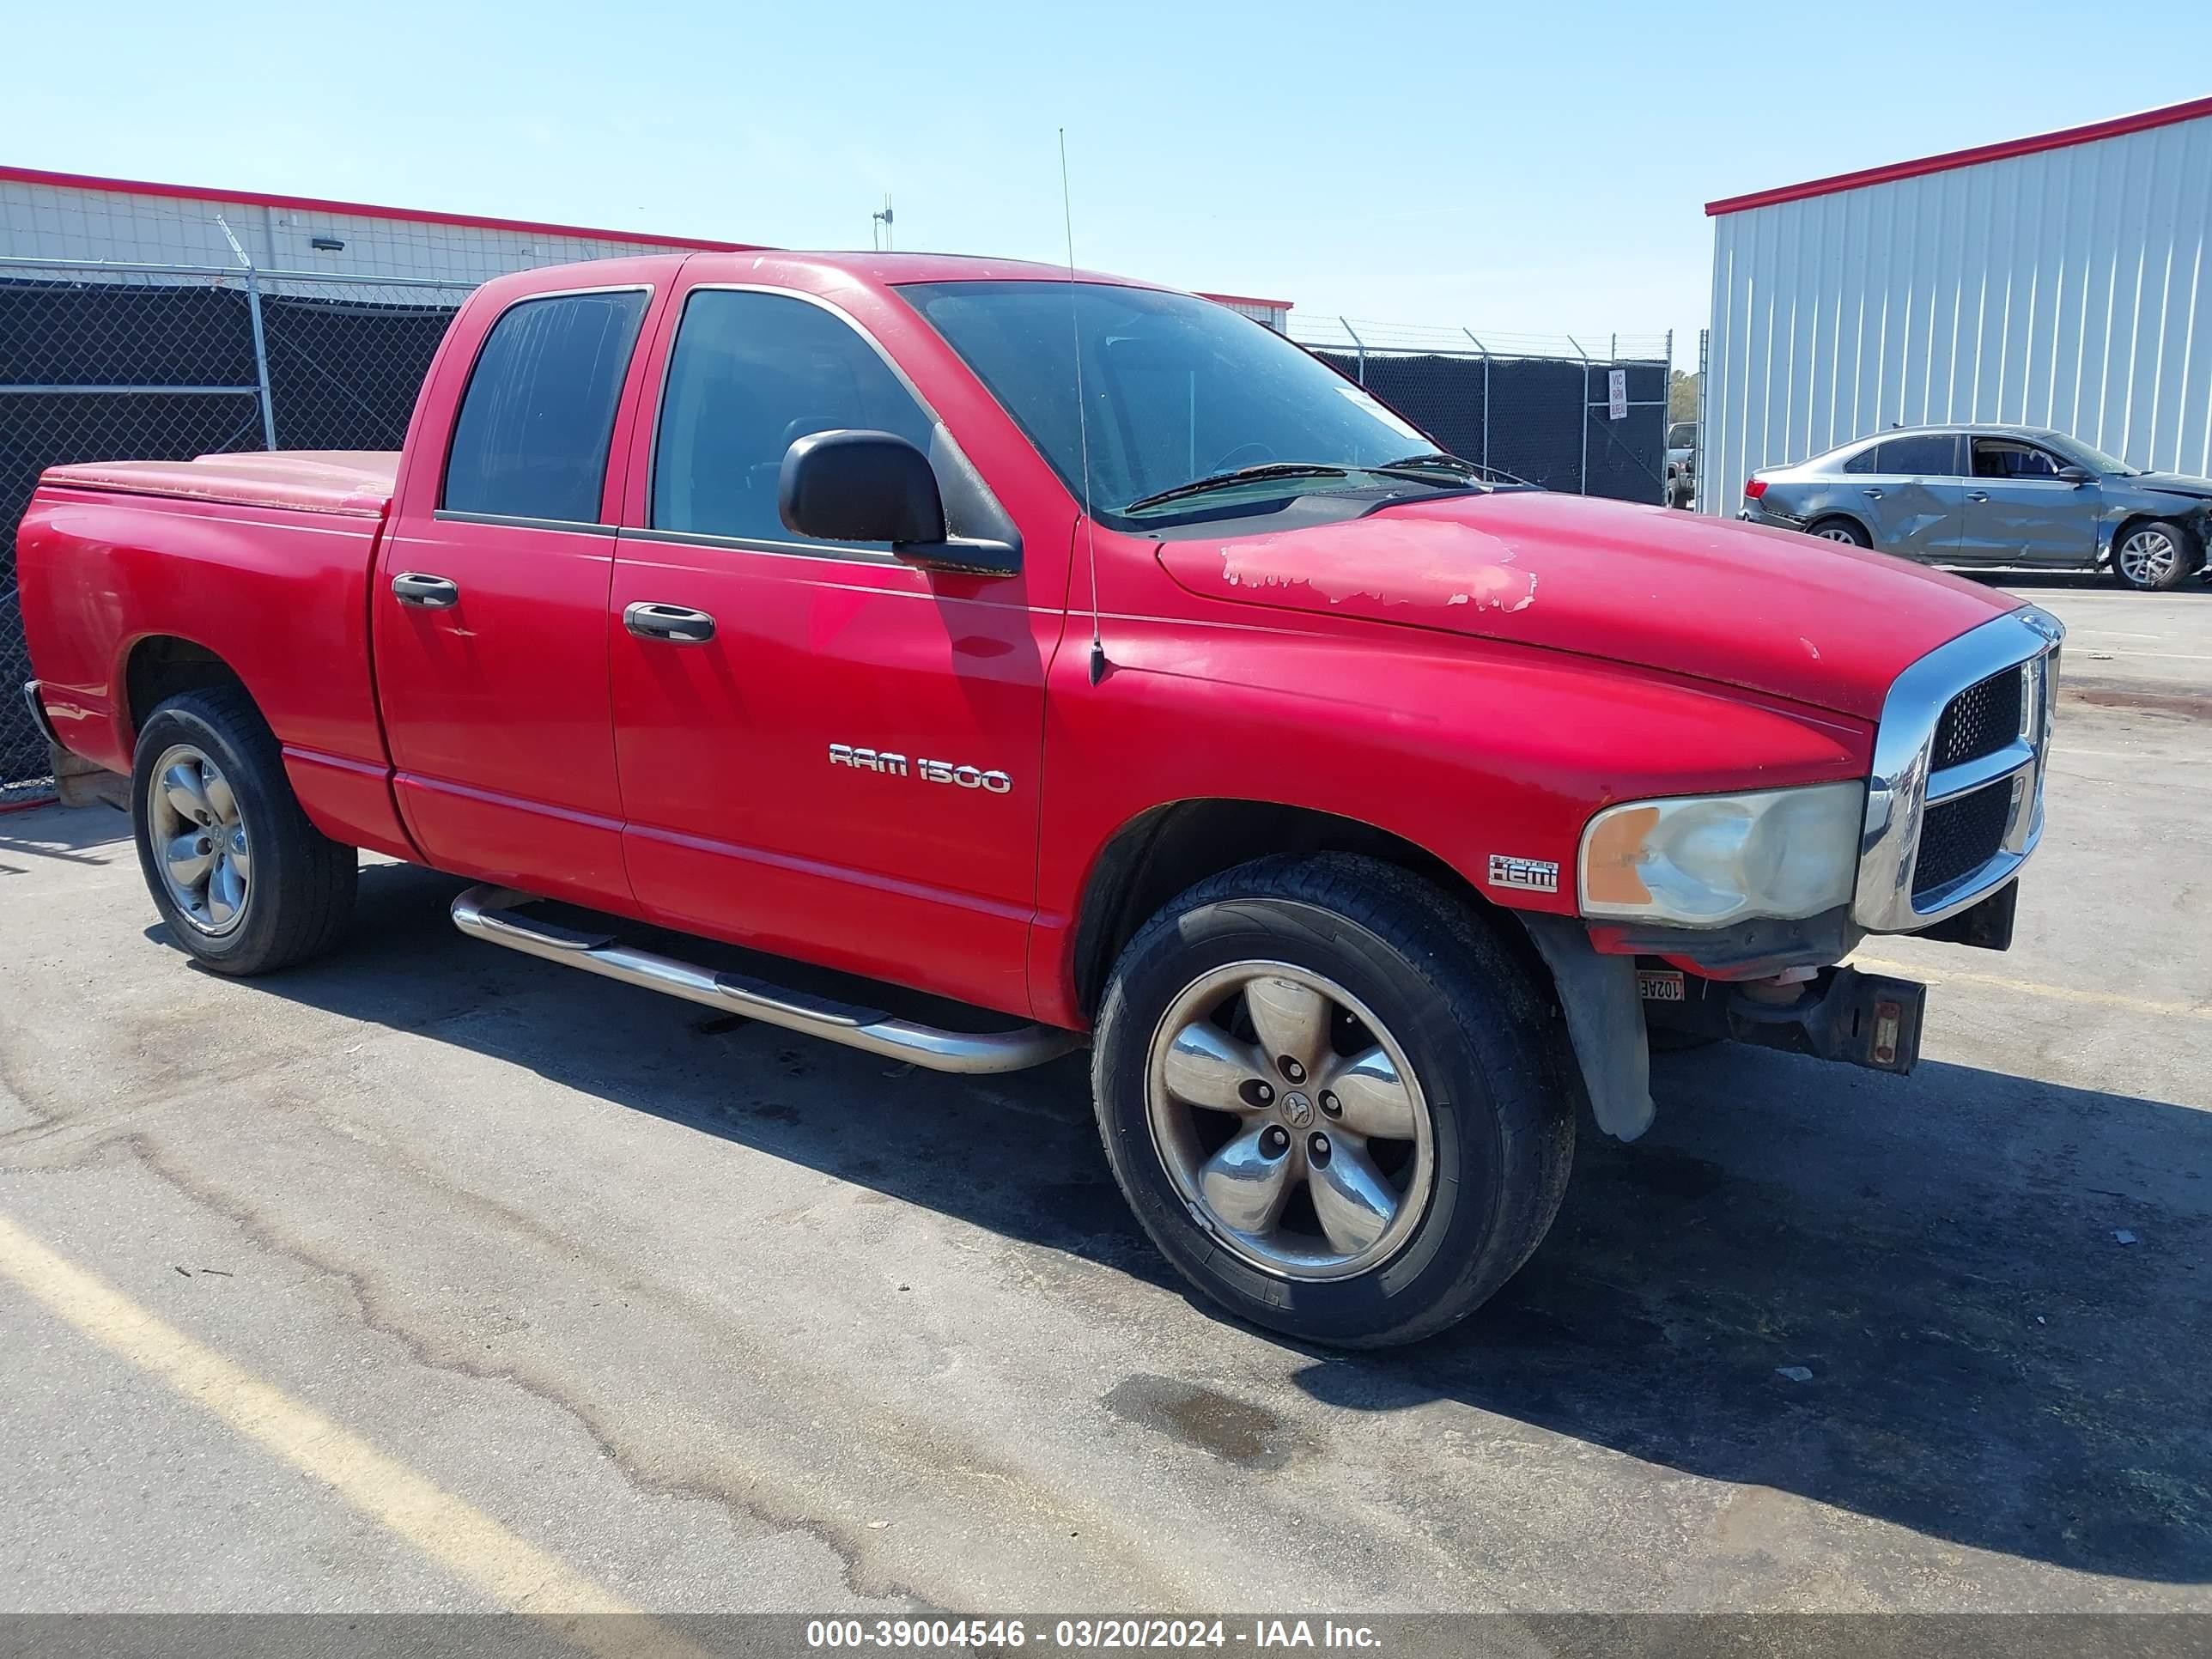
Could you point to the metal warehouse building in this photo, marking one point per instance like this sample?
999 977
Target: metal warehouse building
2063 280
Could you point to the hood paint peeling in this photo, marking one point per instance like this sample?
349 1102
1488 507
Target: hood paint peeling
1402 563
1736 605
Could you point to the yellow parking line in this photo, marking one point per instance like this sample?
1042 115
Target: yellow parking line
2029 987
453 1533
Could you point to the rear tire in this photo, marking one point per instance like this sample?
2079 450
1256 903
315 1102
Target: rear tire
1405 978
245 883
1846 531
2154 556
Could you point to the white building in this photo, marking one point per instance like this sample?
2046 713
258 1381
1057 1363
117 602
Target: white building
72 216
2061 281
63 215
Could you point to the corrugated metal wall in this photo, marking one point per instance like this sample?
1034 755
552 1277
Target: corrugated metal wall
50 221
2070 289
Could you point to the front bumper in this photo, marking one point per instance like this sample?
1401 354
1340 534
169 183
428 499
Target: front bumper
1840 1013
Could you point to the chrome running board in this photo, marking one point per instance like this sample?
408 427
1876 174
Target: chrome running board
494 913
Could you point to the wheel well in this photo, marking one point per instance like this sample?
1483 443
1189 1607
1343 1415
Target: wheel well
1171 848
162 666
1813 526
2135 521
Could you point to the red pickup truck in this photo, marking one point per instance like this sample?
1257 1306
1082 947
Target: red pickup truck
1084 653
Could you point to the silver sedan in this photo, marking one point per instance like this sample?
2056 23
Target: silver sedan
1993 495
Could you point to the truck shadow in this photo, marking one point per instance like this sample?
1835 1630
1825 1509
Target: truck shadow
1990 1365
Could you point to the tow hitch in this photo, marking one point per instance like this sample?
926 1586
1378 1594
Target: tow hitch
1840 1013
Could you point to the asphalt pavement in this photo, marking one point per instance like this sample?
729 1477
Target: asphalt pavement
436 1277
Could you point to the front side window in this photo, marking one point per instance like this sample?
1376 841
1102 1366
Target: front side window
751 375
1923 455
2007 457
1176 389
531 440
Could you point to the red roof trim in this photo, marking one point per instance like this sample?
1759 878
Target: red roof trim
1246 299
362 210
2118 127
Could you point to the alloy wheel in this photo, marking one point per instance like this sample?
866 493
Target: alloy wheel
199 840
2147 558
1290 1121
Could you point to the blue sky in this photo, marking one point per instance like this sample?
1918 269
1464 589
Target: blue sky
1532 168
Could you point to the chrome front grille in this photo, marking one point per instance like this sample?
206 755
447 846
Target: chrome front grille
1981 720
1954 804
1960 835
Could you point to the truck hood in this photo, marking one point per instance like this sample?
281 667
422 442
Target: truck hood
1768 611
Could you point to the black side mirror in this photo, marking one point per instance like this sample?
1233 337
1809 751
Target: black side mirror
853 485
2076 474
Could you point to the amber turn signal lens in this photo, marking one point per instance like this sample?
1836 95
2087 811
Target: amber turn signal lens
1609 861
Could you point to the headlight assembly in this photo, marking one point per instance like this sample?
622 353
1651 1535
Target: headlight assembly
1708 860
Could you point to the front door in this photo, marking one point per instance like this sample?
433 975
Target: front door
489 605
1912 495
824 753
2019 511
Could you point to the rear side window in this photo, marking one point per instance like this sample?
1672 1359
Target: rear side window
751 375
531 441
1864 461
1924 455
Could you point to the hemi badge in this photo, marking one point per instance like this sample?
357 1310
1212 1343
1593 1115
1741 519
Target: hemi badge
1537 875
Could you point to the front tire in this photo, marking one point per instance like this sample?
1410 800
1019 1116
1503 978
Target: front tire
244 882
2155 556
1332 1098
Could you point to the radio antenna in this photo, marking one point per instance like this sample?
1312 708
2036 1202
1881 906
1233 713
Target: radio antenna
1081 420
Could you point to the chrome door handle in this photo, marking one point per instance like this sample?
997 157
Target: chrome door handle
1977 495
672 622
1871 495
431 592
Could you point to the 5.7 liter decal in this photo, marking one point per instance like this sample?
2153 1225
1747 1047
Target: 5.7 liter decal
929 771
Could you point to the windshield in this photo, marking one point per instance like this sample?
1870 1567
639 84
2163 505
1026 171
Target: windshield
1177 389
2089 454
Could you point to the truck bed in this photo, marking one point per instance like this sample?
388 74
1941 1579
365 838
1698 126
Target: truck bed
260 562
354 481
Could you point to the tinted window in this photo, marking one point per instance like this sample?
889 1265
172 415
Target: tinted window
2006 458
1864 461
1176 388
751 375
1925 454
531 439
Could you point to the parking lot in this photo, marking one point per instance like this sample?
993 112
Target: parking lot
475 1284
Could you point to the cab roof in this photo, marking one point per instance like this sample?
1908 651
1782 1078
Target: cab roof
808 272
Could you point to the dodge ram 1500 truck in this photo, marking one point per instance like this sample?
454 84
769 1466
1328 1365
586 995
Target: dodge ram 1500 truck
1084 653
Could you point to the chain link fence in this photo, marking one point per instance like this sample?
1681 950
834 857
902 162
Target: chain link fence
1538 407
154 363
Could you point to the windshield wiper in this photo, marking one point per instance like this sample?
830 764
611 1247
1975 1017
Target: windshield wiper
1434 459
1438 461
1242 475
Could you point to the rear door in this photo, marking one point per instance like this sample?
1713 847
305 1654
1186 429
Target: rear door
489 608
2021 512
1912 495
